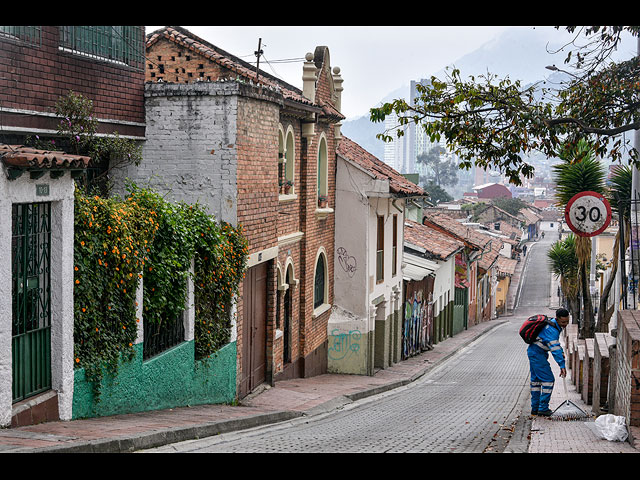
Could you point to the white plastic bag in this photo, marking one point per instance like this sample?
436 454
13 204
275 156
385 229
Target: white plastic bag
612 427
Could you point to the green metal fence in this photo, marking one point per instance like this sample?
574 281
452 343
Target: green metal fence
31 299
122 44
25 33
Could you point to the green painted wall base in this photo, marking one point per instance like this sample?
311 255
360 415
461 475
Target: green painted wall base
171 379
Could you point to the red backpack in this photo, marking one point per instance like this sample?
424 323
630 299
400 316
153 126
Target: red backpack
532 327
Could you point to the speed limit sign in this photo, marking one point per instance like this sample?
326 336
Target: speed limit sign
588 214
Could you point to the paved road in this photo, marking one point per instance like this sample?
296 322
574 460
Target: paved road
470 404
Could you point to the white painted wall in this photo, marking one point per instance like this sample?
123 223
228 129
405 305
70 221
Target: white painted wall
23 190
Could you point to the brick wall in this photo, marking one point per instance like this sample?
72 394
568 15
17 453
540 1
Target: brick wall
319 232
259 115
34 77
602 343
627 396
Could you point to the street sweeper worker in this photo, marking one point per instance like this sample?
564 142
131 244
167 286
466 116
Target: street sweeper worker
542 379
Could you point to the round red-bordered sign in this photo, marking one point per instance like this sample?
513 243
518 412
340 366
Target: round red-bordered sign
588 214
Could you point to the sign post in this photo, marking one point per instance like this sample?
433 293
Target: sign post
588 214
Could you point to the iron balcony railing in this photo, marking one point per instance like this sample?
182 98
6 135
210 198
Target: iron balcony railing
122 44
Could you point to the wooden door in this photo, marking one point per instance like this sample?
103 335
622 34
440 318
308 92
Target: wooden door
254 345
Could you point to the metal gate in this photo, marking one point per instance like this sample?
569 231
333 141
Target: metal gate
31 299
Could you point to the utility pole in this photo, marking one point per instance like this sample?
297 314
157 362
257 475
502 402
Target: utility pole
635 195
258 53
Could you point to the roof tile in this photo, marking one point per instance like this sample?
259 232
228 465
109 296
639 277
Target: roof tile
27 157
350 150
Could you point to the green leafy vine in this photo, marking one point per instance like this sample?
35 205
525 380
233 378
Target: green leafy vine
117 242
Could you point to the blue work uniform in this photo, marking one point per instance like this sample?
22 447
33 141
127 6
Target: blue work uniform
542 378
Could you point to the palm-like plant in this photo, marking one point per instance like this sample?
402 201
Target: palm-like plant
618 196
580 171
564 265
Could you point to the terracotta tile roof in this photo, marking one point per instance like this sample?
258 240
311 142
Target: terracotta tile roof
530 216
453 226
506 266
242 68
31 158
489 245
437 244
350 150
514 233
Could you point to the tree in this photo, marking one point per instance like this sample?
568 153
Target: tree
509 205
444 169
564 265
618 196
437 194
580 171
497 123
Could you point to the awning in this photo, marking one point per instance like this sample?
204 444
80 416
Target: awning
416 268
18 159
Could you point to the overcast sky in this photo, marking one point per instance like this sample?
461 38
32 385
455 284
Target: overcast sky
374 60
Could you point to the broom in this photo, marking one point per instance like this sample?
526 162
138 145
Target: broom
568 410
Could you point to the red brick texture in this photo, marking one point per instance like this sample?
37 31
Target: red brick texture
178 57
35 77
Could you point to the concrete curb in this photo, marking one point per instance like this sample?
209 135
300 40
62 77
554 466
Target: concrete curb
164 437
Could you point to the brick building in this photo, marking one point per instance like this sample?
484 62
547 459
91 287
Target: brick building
261 153
39 65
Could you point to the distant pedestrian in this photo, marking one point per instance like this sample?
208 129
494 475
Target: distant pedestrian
524 250
542 379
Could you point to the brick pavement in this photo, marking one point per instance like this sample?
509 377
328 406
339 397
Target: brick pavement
286 400
572 436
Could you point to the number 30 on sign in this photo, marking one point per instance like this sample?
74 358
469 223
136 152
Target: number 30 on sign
588 214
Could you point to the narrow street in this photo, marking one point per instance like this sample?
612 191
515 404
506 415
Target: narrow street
468 404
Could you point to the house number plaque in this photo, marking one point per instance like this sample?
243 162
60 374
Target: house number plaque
42 190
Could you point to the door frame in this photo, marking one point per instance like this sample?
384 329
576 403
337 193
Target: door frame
60 194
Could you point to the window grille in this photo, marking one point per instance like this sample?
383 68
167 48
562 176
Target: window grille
161 336
28 34
318 288
119 44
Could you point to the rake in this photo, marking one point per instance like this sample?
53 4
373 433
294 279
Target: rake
568 410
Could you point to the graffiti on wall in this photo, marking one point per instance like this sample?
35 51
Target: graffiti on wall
344 344
347 262
418 320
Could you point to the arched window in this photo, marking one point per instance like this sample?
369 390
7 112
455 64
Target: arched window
290 160
323 172
281 160
319 283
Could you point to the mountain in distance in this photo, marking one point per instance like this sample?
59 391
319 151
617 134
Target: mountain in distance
521 53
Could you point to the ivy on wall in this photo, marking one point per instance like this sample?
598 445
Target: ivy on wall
119 241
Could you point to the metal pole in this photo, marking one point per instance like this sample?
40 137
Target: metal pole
635 194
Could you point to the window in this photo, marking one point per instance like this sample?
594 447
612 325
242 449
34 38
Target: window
119 44
286 162
323 183
319 291
394 252
281 161
380 250
289 162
